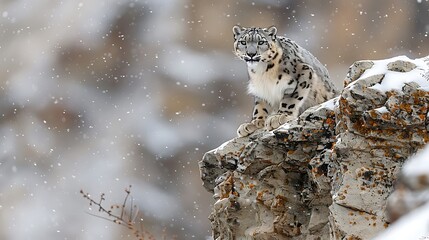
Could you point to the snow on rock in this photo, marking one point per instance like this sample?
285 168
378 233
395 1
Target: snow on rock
329 172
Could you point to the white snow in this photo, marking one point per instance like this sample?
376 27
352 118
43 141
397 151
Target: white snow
285 126
330 104
382 109
394 80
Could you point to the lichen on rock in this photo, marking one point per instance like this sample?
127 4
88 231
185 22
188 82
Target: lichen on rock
328 173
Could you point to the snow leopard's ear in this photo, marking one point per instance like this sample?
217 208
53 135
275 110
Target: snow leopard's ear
237 30
272 31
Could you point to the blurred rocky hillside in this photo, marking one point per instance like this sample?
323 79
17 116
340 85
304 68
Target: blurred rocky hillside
102 94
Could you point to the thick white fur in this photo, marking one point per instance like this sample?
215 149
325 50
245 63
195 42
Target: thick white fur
263 84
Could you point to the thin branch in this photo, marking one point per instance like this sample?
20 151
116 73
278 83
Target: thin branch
126 218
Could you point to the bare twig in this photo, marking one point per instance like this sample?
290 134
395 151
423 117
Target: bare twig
129 219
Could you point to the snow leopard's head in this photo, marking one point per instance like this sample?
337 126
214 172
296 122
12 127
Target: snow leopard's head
255 44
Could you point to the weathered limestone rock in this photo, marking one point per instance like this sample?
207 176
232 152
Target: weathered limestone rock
326 174
264 185
382 120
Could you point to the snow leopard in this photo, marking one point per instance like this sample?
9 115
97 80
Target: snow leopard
284 78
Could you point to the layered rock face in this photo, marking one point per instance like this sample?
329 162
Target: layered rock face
328 173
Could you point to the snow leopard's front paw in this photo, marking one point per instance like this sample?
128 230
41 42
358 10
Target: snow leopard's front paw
246 129
276 120
259 123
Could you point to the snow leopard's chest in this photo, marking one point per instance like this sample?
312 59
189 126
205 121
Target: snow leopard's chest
269 83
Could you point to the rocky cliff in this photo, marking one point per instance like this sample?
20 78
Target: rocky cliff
328 173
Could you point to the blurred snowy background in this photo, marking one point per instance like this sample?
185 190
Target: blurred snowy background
97 95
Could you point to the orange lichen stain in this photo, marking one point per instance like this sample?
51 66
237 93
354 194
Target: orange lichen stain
316 172
360 126
386 116
385 225
290 151
280 201
351 214
379 165
282 198
331 115
353 238
405 107
260 195
422 133
404 135
330 121
397 155
387 153
251 185
344 106
390 94
226 187
394 108
373 114
224 195
419 94
426 138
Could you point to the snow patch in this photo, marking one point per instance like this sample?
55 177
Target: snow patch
330 104
395 80
381 109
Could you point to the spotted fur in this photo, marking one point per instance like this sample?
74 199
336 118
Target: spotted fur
285 79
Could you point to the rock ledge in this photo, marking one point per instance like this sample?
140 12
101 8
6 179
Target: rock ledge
328 173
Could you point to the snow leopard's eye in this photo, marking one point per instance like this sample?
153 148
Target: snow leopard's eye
243 42
261 42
